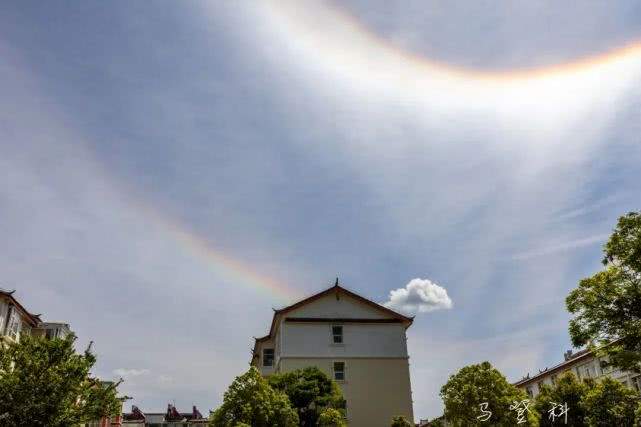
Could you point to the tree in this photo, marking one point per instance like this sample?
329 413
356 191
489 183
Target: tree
46 383
477 385
637 416
607 306
400 421
250 400
610 403
568 390
310 391
331 417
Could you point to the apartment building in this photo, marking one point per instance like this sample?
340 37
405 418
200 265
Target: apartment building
359 343
14 318
15 321
584 364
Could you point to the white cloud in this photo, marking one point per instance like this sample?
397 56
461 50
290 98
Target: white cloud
165 379
127 373
419 296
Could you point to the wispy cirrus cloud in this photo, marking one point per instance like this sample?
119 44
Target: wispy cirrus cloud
128 373
557 247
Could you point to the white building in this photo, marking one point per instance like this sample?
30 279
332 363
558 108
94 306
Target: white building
15 321
583 364
359 343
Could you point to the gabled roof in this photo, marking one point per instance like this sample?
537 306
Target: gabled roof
33 319
334 289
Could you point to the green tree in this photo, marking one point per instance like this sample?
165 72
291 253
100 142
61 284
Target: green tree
331 417
250 400
46 383
310 391
474 385
610 403
637 416
607 306
400 421
437 422
568 390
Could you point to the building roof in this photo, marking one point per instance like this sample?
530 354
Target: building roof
33 319
566 364
171 414
337 288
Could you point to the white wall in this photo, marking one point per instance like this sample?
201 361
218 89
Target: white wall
4 308
359 340
266 370
328 306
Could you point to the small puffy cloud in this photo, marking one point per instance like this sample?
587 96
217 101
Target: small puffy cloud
165 379
128 373
419 296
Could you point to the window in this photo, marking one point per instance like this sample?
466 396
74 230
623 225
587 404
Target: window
268 357
636 383
540 385
553 378
13 329
528 389
586 371
337 334
339 371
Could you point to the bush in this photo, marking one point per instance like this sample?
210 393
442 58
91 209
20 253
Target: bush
331 417
400 421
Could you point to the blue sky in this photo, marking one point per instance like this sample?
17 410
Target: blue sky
307 143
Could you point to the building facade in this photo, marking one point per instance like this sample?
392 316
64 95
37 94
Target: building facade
170 418
359 343
15 320
584 364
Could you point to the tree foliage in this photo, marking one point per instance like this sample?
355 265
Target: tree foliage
250 400
479 384
607 306
331 417
610 403
310 391
400 421
569 390
46 383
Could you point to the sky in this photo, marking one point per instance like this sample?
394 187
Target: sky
173 171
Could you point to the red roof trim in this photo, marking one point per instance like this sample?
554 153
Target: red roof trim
339 320
335 288
338 288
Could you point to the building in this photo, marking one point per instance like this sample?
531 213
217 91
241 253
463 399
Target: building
169 418
584 364
52 330
14 318
359 343
15 321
